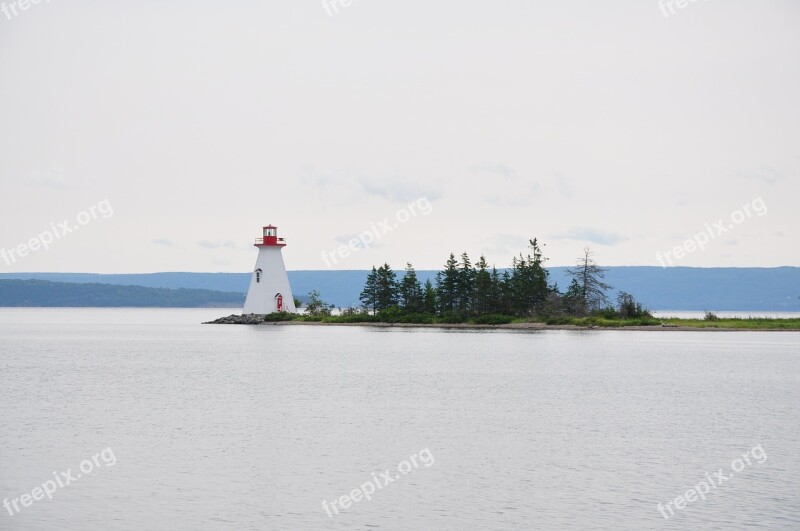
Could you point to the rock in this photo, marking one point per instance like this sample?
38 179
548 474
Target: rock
249 319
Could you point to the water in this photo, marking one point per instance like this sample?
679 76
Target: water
237 427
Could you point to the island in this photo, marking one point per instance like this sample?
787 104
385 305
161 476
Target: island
467 295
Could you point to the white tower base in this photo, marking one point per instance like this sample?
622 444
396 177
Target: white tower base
269 281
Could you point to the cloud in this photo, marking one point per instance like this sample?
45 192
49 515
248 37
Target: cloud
591 235
397 189
49 178
514 197
311 176
496 168
349 183
520 191
216 245
764 174
163 241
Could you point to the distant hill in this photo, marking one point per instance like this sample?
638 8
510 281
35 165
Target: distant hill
52 294
674 288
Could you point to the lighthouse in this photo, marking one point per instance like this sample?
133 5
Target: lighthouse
269 290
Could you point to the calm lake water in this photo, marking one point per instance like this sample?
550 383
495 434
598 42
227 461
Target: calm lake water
174 425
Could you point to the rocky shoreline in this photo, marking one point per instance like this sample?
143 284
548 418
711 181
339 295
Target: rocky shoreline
246 319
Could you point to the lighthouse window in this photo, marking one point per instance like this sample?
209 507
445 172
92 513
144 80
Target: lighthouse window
258 275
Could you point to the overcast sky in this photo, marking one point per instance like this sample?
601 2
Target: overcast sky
617 124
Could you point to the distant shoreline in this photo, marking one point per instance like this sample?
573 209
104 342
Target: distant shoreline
698 289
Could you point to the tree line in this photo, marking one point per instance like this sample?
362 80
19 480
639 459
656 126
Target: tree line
464 290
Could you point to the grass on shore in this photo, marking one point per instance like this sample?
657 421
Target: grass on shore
586 322
749 323
412 318
602 321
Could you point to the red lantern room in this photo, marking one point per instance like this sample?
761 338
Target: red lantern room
270 238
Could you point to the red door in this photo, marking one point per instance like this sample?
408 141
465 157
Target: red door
280 302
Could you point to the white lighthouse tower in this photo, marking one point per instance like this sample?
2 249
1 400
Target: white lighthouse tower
269 290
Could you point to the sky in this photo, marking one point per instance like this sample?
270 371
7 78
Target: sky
143 136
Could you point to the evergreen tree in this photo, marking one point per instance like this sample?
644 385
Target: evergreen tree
539 274
466 285
430 298
495 299
411 295
483 295
520 305
386 288
553 304
529 281
447 283
506 294
573 299
628 308
369 296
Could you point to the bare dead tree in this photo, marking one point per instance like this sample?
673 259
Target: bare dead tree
589 277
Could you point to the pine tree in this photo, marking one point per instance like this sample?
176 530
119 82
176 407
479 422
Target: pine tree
628 308
573 299
496 293
482 301
430 298
411 295
369 296
466 285
506 294
447 286
386 289
529 281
